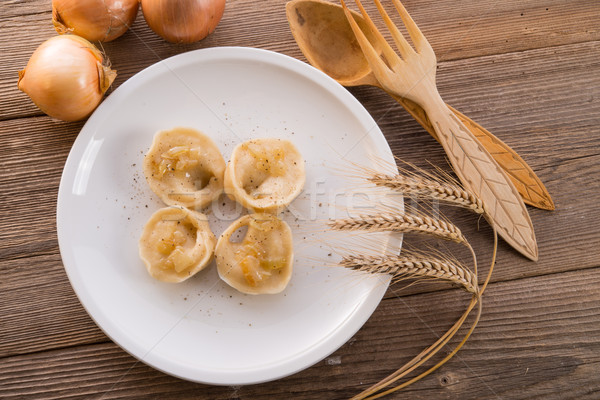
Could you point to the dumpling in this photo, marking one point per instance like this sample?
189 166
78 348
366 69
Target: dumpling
176 243
265 175
184 167
261 262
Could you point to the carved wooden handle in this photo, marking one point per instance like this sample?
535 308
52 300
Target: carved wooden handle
529 186
482 175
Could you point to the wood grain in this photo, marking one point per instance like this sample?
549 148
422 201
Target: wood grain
563 350
40 144
538 133
30 327
33 155
480 25
26 327
527 71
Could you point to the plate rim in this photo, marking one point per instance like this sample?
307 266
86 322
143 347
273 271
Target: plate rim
120 337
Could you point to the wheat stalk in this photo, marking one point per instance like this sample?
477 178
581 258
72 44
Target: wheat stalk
401 222
371 393
437 187
430 188
409 266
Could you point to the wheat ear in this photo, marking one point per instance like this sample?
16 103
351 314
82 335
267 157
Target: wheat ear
444 188
400 222
430 188
401 267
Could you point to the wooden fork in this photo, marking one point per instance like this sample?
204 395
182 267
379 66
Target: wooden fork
411 74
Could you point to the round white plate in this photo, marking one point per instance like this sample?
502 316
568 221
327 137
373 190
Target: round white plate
202 330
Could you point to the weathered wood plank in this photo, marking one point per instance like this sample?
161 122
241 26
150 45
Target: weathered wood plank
39 309
503 359
539 135
32 145
527 71
33 153
456 30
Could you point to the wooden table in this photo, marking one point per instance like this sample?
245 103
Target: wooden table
529 71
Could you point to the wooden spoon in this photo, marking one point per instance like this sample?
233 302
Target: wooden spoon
327 41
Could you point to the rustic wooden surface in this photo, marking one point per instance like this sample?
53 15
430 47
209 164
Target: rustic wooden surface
529 71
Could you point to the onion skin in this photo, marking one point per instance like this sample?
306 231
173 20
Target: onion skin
183 21
66 77
95 20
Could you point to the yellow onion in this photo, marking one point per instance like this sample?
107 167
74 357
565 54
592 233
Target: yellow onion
183 21
66 77
97 20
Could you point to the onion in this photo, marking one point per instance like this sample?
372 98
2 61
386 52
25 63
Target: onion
66 77
183 21
97 20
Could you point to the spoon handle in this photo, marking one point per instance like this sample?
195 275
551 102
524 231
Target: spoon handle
529 186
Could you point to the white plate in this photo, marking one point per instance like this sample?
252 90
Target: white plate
202 330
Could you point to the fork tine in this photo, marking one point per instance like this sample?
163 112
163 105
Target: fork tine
387 50
419 40
376 63
403 46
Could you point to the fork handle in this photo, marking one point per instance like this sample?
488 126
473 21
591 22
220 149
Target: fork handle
530 187
482 175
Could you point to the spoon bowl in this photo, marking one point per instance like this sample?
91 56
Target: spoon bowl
326 39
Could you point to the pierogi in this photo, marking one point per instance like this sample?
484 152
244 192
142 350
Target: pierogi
184 167
176 243
260 262
265 175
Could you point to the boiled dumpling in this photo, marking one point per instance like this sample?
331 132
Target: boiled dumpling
260 262
176 243
184 167
265 175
